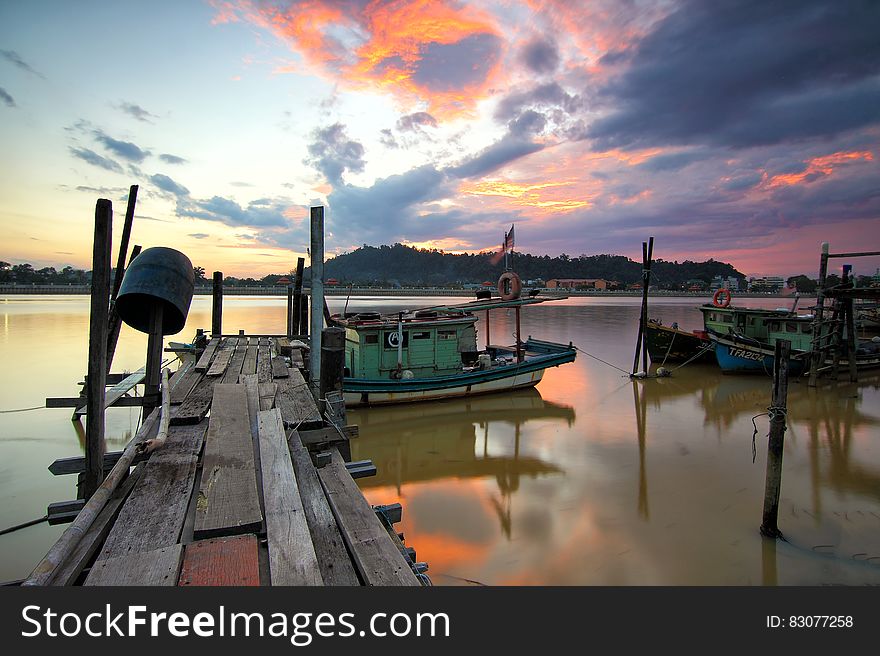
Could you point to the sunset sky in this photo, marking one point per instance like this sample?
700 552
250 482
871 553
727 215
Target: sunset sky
748 132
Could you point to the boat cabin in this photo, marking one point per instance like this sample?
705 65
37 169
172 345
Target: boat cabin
433 344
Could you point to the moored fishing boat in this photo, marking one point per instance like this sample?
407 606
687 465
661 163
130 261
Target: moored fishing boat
672 344
432 353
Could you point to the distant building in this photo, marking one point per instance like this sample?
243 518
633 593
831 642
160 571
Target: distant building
575 283
331 281
767 284
283 280
720 282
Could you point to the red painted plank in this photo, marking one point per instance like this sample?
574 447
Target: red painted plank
221 561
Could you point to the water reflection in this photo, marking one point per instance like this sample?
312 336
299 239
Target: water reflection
457 439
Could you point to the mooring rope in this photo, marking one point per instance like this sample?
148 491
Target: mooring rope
773 412
704 349
578 348
36 407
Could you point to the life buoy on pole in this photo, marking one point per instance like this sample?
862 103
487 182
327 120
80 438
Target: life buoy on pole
509 286
721 298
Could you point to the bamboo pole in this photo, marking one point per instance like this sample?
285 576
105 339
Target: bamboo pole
115 323
44 572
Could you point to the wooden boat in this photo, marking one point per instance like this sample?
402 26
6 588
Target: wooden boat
432 353
745 340
672 344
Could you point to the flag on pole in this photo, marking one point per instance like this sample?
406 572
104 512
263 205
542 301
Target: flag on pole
508 239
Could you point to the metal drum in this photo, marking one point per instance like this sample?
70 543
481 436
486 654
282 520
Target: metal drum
157 278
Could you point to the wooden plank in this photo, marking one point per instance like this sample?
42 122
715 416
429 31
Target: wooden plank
298 407
230 561
77 464
377 559
185 384
76 402
69 571
253 403
267 393
113 394
250 359
208 354
279 367
197 403
333 559
328 434
154 568
221 360
155 511
296 359
292 559
264 361
233 371
228 503
282 346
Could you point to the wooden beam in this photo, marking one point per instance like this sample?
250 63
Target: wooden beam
159 567
333 559
377 559
208 354
233 371
297 405
228 501
292 559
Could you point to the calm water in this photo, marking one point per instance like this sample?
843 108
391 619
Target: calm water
590 479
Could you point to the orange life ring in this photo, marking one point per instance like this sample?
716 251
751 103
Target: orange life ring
509 286
718 294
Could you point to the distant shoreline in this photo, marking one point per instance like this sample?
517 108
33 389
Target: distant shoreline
279 290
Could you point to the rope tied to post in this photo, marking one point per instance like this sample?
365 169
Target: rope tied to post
774 413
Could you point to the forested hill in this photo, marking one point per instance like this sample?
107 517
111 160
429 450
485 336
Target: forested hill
404 265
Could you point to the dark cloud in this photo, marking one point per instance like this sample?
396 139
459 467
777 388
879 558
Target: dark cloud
240 184
508 149
550 95
95 159
529 122
137 112
5 97
14 58
258 214
540 55
747 73
450 66
387 139
415 121
743 181
199 235
332 153
124 149
167 184
672 161
172 159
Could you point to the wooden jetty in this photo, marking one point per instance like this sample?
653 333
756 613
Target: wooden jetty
241 474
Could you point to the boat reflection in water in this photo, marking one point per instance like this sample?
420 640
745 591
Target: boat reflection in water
464 458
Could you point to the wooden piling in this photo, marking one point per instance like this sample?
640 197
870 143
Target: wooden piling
217 306
153 371
115 322
332 361
297 323
818 315
777 412
290 312
642 339
317 300
97 368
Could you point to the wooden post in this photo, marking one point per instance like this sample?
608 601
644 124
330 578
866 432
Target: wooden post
153 369
299 302
115 323
487 330
773 481
519 353
332 360
641 339
217 306
97 369
818 315
290 309
317 300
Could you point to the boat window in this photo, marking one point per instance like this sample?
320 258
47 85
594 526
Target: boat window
806 328
774 326
371 338
727 318
446 334
791 327
422 335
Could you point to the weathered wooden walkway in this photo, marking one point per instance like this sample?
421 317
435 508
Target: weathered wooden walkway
250 488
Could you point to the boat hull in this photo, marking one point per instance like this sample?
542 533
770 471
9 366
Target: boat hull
528 373
667 344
